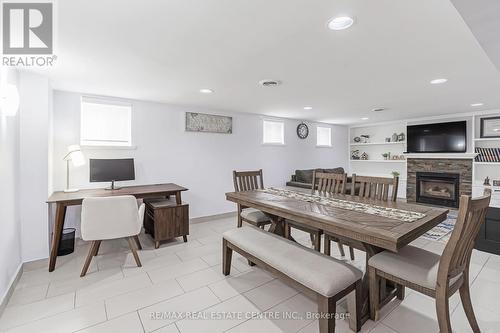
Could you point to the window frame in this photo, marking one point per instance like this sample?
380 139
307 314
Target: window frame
282 122
105 144
330 136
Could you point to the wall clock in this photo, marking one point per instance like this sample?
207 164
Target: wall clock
302 131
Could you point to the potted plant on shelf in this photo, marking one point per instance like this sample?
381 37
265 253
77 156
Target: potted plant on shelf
395 174
386 156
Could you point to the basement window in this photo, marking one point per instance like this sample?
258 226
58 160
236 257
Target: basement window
323 136
105 123
273 132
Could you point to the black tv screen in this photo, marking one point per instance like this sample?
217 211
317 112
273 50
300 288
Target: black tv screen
437 138
107 170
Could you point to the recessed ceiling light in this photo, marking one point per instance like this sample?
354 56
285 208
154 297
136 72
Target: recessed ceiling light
365 118
206 91
340 23
378 109
477 104
439 81
308 107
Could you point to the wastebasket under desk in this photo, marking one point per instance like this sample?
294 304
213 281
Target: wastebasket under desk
164 219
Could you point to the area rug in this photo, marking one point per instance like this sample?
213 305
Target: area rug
442 232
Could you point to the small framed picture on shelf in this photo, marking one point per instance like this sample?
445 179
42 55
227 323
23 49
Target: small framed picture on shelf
496 183
490 127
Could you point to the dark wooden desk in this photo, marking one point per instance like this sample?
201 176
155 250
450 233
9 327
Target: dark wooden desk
63 200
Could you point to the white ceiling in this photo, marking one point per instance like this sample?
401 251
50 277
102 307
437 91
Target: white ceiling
483 18
167 50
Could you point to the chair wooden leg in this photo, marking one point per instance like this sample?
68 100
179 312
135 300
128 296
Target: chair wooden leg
443 310
90 255
317 241
138 242
240 221
354 306
327 309
288 230
327 245
374 283
227 254
98 246
351 252
341 248
467 304
131 243
311 237
400 293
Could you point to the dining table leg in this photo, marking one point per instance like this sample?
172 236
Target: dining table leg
277 226
389 290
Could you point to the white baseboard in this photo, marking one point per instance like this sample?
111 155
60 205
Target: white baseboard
211 217
10 289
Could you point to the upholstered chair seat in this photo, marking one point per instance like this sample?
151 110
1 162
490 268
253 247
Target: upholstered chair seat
411 264
254 215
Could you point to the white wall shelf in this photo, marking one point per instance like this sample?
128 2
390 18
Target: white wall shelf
487 163
381 161
377 143
487 139
459 156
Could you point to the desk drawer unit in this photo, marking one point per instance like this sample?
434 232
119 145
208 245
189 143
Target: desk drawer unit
164 219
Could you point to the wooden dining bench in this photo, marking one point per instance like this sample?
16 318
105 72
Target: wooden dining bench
326 278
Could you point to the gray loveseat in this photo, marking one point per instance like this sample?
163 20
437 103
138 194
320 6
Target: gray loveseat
303 178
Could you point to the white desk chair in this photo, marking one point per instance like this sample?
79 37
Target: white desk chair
110 218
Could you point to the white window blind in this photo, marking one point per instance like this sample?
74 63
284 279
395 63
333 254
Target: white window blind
105 123
324 136
274 132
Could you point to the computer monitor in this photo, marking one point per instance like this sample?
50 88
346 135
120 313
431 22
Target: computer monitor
111 170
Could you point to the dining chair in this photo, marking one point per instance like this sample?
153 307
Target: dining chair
323 184
248 181
379 188
110 218
437 276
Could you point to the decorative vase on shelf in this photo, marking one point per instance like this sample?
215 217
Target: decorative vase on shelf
395 137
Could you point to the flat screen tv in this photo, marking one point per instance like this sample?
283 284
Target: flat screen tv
437 138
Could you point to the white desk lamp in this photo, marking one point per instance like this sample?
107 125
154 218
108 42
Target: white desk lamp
76 157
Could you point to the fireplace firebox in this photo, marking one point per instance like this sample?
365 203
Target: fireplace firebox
440 189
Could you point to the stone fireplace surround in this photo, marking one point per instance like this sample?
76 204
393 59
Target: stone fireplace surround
438 165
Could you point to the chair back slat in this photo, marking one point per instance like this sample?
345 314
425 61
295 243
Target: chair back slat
375 187
457 253
248 180
329 183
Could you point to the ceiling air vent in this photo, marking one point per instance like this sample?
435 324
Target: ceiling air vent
269 83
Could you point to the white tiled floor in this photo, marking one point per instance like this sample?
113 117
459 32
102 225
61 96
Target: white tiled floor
117 296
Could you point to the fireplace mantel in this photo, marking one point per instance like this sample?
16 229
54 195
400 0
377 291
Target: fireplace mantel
460 156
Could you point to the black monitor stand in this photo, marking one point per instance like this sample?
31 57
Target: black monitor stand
113 187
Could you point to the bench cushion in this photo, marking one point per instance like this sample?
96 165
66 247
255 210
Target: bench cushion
412 264
323 274
254 215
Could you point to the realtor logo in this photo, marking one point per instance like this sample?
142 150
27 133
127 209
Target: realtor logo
27 28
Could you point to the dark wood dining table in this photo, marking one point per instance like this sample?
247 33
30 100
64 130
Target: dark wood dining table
367 232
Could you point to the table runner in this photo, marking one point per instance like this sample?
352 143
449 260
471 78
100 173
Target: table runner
391 213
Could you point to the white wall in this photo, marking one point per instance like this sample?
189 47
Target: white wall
10 235
202 162
34 164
